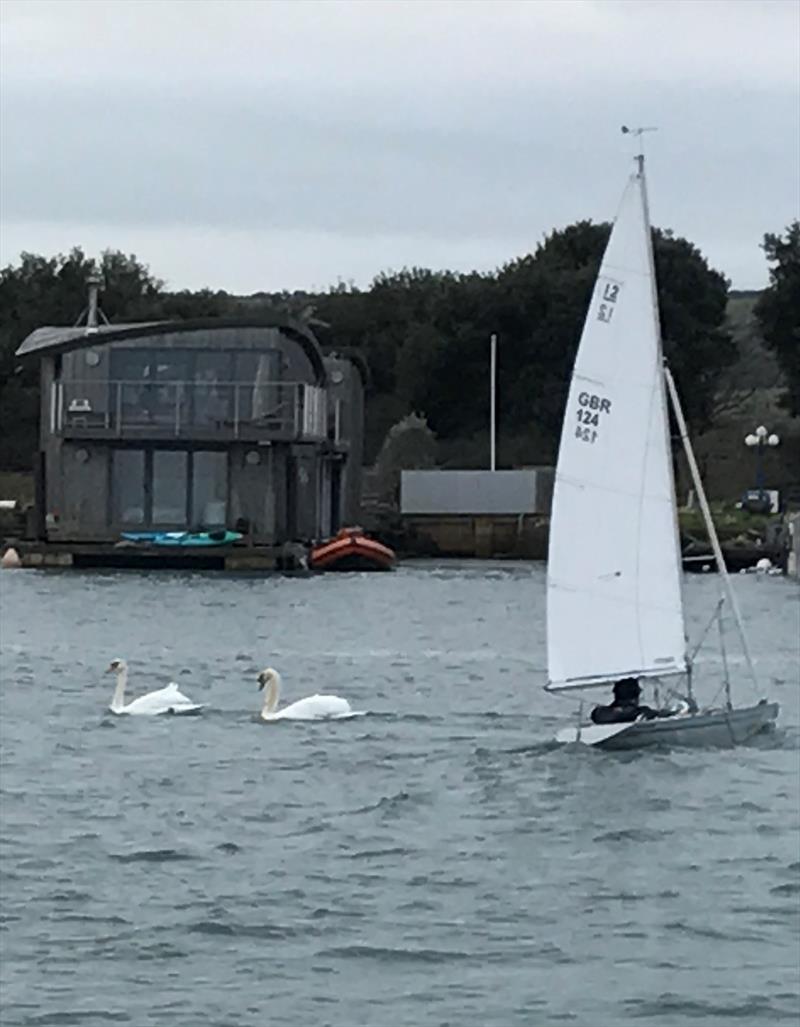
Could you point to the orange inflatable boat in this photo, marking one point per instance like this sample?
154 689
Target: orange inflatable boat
351 550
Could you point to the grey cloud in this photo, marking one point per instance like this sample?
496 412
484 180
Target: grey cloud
476 168
379 144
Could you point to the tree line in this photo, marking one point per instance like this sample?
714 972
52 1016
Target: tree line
425 333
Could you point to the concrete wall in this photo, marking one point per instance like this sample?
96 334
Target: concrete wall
523 537
475 493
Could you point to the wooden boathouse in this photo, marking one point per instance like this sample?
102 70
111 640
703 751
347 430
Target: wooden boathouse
202 425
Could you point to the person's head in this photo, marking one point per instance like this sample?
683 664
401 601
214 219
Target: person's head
627 690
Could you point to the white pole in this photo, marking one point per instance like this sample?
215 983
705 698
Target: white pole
493 402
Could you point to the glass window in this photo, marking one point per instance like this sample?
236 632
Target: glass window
131 364
169 488
209 489
127 486
132 377
171 369
260 372
149 380
212 392
172 365
252 365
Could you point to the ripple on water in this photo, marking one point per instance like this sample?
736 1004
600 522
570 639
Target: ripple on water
755 1009
229 848
398 954
151 856
239 930
68 1017
440 861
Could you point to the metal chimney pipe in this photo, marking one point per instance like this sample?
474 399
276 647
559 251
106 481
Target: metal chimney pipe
93 281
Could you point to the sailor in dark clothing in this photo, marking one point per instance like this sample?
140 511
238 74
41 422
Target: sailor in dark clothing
625 708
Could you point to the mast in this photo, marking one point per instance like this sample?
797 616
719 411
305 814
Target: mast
638 132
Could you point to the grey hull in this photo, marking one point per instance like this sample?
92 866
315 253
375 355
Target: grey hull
718 728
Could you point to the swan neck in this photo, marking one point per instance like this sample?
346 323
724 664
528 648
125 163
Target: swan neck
272 694
118 699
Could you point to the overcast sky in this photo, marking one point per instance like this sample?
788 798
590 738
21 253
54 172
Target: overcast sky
267 145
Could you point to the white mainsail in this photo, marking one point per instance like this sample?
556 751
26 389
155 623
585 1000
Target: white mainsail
614 603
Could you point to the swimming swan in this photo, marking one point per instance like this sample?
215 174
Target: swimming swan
313 707
163 700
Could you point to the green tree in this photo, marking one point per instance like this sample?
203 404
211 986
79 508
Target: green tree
51 291
30 295
693 301
425 334
542 307
41 291
418 362
129 291
778 309
379 320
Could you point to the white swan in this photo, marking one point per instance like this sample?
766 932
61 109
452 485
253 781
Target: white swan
163 700
313 707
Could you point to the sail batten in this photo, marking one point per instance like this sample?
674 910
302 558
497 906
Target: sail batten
614 606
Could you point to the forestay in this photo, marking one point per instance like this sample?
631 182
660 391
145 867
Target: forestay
613 589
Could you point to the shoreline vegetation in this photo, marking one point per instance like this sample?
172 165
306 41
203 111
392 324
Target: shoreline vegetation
425 337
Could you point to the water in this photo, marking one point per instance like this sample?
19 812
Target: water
436 862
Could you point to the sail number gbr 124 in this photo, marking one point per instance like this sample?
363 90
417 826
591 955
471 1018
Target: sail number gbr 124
591 407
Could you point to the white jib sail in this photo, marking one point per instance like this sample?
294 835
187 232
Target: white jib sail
613 577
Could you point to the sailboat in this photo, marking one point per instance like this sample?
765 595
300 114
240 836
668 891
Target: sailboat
614 598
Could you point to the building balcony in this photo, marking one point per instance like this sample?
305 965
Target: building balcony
190 410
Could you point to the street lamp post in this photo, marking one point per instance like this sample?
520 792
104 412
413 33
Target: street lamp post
759 440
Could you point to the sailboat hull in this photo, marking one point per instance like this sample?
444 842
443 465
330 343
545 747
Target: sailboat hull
716 729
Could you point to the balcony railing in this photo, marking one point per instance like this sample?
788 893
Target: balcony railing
185 410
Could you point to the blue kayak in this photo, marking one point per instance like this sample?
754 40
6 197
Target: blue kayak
183 538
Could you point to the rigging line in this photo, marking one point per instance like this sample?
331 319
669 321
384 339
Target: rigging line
727 678
709 521
717 612
716 695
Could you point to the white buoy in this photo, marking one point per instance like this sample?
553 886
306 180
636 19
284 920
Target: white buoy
10 559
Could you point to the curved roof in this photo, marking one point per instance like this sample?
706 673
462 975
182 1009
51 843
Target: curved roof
49 340
52 338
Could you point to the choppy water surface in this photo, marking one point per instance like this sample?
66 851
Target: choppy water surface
437 862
